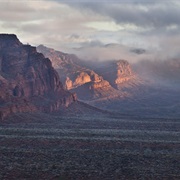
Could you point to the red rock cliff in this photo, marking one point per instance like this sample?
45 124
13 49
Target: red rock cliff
28 82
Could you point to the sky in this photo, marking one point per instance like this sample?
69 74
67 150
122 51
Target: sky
97 29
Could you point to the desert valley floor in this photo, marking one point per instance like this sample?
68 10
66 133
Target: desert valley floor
91 145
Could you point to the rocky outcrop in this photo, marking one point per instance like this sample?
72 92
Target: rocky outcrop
116 72
123 72
28 82
80 78
77 79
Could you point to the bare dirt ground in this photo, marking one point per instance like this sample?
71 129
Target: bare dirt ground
89 146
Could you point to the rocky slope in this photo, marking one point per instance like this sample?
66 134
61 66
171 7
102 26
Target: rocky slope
28 82
76 77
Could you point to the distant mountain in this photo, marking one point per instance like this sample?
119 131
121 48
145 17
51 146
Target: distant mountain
77 77
115 85
28 82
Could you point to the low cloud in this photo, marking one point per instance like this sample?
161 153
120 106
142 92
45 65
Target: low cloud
97 51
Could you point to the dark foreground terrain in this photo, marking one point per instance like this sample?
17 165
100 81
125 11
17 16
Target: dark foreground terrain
89 146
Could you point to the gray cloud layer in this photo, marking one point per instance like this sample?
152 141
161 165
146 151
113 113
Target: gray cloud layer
65 25
141 13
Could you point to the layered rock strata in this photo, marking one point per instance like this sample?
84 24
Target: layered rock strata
28 81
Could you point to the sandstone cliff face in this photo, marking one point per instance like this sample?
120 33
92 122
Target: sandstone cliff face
82 77
123 71
116 72
77 78
27 77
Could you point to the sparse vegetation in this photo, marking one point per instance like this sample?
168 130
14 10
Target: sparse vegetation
84 147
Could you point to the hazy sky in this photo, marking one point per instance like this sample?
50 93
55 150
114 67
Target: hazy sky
150 24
